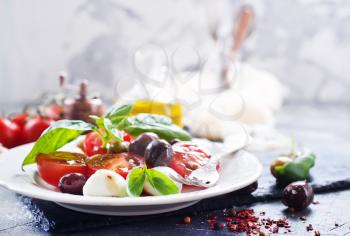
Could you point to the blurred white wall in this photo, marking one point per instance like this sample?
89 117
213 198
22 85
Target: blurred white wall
305 42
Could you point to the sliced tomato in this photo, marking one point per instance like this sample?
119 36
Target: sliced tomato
53 166
121 163
92 144
187 157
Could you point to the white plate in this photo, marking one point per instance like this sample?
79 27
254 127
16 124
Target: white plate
238 171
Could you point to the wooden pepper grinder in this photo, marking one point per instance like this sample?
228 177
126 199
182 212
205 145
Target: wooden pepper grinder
82 107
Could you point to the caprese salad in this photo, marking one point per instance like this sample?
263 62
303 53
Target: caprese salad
118 156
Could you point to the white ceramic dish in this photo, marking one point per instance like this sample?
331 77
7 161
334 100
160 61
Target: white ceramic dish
238 171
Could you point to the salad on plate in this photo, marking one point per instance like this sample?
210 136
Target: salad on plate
120 155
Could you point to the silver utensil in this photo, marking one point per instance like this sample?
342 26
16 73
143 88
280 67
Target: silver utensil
242 28
207 175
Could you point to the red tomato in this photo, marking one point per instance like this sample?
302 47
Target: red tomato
187 157
20 119
35 127
52 166
9 133
127 137
92 144
121 163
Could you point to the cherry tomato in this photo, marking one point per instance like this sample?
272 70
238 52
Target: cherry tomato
9 133
52 166
127 137
92 144
187 157
121 163
35 127
20 119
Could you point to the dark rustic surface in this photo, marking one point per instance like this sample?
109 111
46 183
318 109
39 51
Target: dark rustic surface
325 130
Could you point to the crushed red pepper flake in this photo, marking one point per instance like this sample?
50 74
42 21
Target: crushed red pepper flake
309 227
261 233
317 233
187 220
245 220
303 218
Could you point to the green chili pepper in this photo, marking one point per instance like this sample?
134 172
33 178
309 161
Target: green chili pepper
296 169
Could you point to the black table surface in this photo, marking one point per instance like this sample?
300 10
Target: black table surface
329 124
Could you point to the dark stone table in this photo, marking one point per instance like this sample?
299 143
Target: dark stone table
329 124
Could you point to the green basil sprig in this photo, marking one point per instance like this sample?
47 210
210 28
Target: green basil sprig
105 129
159 181
158 124
55 137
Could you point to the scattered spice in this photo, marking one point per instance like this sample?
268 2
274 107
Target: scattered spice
246 221
309 227
317 233
275 230
187 220
232 212
315 202
218 226
261 233
303 218
336 224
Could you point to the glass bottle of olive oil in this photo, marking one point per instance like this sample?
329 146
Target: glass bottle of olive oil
172 110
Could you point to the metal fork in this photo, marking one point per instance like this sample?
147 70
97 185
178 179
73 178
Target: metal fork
207 175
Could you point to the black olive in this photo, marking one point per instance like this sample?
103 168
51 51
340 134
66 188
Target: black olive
138 145
72 183
158 153
298 195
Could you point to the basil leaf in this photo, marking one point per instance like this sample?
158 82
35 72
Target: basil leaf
55 137
135 182
108 126
158 124
117 112
161 182
70 124
112 130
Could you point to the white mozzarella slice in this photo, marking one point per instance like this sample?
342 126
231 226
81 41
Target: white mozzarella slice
105 183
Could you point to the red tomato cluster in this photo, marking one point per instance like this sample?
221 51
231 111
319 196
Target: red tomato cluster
21 129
